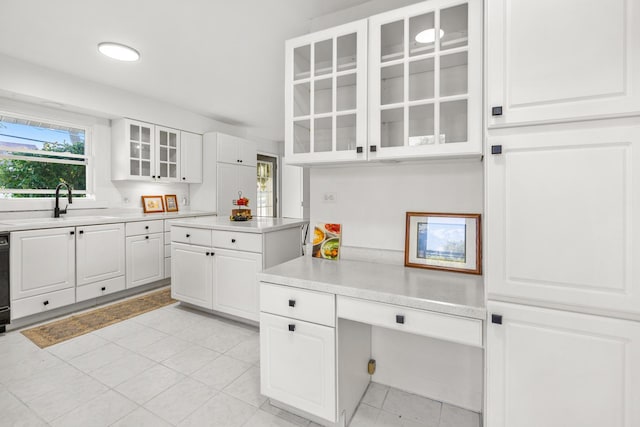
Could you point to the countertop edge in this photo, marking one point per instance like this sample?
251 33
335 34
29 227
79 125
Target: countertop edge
242 226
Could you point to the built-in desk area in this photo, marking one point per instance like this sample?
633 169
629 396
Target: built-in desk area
321 322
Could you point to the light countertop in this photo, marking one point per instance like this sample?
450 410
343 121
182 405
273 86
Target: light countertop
445 292
255 225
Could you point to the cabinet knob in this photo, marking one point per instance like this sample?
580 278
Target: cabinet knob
146 227
103 288
213 253
188 235
373 148
399 318
496 111
496 318
359 150
72 232
207 253
46 302
183 178
292 303
146 237
153 176
233 240
81 232
292 327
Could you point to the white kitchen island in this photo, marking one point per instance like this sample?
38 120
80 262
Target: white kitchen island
214 261
320 320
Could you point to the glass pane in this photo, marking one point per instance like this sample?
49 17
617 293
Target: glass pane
454 27
323 96
146 169
392 41
163 170
347 52
301 62
323 57
146 151
34 175
422 34
173 154
453 121
134 151
301 99
392 127
172 171
322 134
146 134
421 125
421 79
173 139
346 132
453 74
163 154
346 95
23 135
134 168
134 132
163 138
392 84
302 136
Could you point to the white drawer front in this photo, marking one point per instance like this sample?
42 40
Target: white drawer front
302 304
428 323
191 236
98 289
144 227
40 303
251 242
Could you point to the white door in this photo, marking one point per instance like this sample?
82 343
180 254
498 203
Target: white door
167 154
190 157
559 369
247 153
227 148
562 218
145 259
292 199
236 286
192 274
298 364
546 62
42 261
140 137
99 252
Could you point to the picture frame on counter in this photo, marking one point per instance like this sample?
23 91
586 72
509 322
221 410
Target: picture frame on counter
171 202
443 241
151 204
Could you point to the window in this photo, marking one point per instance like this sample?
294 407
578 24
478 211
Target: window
35 156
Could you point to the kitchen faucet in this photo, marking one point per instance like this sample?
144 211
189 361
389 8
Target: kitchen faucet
57 211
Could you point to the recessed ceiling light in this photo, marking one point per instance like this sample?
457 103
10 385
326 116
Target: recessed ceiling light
119 51
428 36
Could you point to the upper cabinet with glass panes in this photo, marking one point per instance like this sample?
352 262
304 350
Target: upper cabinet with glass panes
326 92
423 95
425 72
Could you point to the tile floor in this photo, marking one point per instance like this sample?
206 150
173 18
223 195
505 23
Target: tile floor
171 367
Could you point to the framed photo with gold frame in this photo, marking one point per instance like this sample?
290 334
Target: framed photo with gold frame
443 241
171 202
152 204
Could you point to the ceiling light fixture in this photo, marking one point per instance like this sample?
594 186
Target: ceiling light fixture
428 36
118 51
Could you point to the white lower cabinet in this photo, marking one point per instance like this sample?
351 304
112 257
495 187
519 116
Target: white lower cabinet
236 287
145 259
192 274
298 364
99 253
560 369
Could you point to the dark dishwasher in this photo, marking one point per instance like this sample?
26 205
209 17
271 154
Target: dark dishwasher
5 310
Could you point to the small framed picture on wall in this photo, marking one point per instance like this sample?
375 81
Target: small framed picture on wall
171 202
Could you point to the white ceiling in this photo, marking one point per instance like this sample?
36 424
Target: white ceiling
223 59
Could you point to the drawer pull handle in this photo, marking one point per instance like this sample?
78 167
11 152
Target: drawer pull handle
292 303
46 302
103 288
496 318
292 327
233 240
400 318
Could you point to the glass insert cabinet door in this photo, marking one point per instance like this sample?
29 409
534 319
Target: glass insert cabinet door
140 149
168 148
426 80
326 91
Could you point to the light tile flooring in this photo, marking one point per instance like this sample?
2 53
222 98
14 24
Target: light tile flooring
171 367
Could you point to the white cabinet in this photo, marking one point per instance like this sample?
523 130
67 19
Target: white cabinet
42 261
234 150
566 70
234 179
190 157
298 364
99 252
192 274
425 79
326 95
560 369
144 252
235 284
562 218
143 151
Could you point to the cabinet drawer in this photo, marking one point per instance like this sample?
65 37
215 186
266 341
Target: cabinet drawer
191 236
302 304
428 323
98 289
40 303
251 242
144 227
